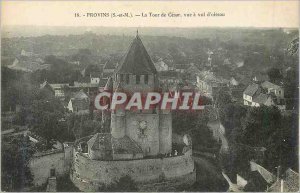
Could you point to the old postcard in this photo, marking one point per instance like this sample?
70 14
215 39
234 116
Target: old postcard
149 96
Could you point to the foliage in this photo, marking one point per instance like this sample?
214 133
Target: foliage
64 184
194 124
83 125
275 75
124 184
15 156
257 127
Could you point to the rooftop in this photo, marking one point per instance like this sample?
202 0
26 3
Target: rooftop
251 89
261 98
137 60
268 84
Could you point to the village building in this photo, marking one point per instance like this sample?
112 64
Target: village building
272 88
257 95
208 84
289 182
191 73
108 69
79 104
169 77
181 67
28 64
259 78
259 179
47 88
59 90
161 66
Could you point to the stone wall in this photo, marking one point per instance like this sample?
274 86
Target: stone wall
41 165
149 142
88 174
165 133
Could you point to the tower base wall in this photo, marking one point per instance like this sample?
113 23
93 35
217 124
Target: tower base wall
149 174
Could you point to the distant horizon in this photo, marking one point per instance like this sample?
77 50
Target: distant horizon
11 31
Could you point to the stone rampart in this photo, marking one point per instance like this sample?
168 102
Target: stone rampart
89 175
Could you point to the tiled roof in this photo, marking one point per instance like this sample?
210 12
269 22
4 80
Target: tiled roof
290 182
251 89
125 145
268 84
80 95
168 74
122 145
261 98
80 104
261 77
137 60
110 65
181 66
100 141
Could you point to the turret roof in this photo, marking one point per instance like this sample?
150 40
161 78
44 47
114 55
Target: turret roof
137 60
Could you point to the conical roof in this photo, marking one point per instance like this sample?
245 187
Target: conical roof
137 60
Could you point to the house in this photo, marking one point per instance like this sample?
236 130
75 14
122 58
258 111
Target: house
169 77
191 73
253 96
27 64
258 179
233 81
109 67
288 183
46 87
208 84
249 93
79 104
181 67
262 99
258 78
59 90
161 66
264 94
278 91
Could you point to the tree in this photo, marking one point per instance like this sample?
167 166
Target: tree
294 46
46 120
275 75
15 172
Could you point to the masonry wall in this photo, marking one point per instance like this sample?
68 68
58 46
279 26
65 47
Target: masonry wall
40 166
89 174
60 160
165 133
150 139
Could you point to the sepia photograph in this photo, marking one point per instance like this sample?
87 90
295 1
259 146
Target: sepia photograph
150 96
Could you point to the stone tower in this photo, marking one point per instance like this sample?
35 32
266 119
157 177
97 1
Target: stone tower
150 129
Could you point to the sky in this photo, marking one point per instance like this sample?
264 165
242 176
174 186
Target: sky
269 13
